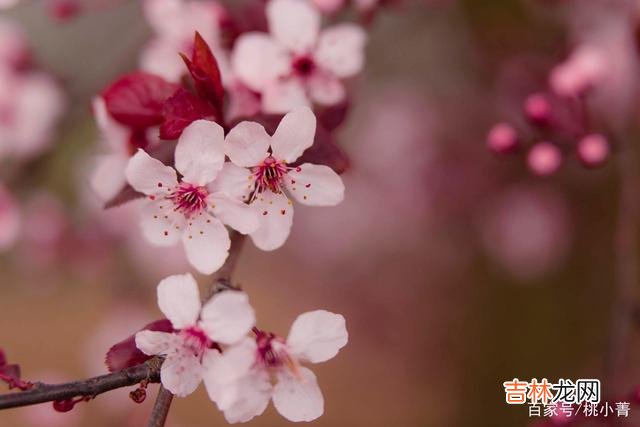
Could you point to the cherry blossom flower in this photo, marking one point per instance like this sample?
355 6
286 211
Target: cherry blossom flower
224 319
10 220
239 381
298 64
262 170
7 4
186 209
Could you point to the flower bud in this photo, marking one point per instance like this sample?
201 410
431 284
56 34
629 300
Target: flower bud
537 109
593 150
502 138
544 159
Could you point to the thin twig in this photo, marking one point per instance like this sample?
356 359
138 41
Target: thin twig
90 387
626 280
160 408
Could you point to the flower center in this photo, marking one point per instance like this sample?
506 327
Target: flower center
189 199
272 352
195 340
269 175
303 66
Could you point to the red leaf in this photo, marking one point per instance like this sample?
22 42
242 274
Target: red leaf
10 373
206 73
136 99
125 353
181 110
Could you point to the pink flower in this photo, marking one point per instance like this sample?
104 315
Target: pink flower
10 221
297 63
239 381
544 158
6 4
224 319
593 150
261 171
187 209
585 68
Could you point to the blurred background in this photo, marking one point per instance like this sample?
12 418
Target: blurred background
457 269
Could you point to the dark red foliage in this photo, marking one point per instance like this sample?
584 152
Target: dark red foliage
136 99
204 69
10 374
182 109
125 353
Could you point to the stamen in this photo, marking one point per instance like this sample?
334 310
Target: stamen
189 199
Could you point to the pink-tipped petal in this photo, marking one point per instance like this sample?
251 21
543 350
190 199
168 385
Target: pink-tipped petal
257 61
233 212
341 50
283 95
227 317
247 144
295 134
315 185
150 176
294 23
161 225
275 213
200 152
179 300
206 242
234 181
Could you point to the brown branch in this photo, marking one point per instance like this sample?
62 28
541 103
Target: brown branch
91 387
160 408
626 270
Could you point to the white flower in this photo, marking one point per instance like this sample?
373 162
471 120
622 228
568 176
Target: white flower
297 63
224 319
186 209
239 381
261 172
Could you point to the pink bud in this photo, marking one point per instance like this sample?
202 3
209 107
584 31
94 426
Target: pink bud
502 138
593 150
544 159
64 405
537 108
63 10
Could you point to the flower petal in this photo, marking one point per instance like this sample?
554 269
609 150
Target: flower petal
252 397
315 185
206 242
341 49
148 175
257 60
153 343
227 317
234 181
295 134
179 300
234 213
283 95
247 144
181 372
298 399
294 23
275 213
161 225
317 336
223 371
108 178
200 152
326 89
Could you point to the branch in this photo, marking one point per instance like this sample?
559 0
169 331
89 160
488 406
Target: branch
91 387
160 408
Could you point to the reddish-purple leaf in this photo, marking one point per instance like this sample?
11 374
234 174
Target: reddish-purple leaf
181 110
10 374
125 353
135 100
206 73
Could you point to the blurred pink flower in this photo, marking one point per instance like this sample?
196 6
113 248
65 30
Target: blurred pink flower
14 50
225 319
298 64
593 150
526 230
584 69
239 380
6 4
502 138
10 219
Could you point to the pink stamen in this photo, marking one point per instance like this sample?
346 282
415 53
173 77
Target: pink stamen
196 340
269 175
303 66
189 199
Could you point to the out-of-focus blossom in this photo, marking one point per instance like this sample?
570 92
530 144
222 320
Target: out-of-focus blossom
6 4
10 220
585 68
544 158
174 23
63 10
262 169
14 50
239 380
225 319
186 209
502 138
297 64
537 108
527 231
593 150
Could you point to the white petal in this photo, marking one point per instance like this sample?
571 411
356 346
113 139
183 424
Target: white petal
294 23
247 144
295 134
275 213
181 372
341 49
253 394
227 317
206 242
179 300
154 343
298 399
283 95
234 181
108 178
315 185
257 60
317 336
233 212
148 175
159 57
326 89
112 133
161 225
200 152
223 372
